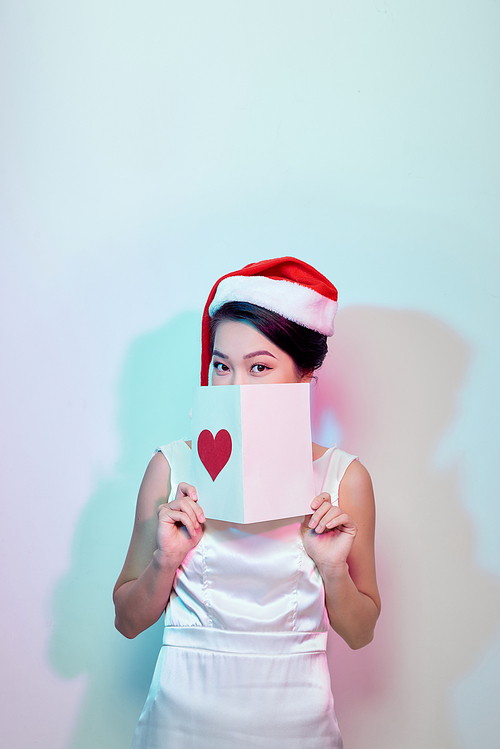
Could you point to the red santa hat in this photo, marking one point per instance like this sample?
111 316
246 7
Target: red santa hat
290 287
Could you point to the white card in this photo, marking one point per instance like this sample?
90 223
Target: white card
252 451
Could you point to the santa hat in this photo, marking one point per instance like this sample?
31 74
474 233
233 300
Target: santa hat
290 287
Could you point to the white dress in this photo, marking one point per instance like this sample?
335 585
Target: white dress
243 663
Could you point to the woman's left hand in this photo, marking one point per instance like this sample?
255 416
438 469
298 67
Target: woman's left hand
328 534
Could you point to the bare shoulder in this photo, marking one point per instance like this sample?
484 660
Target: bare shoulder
356 479
158 468
318 451
356 492
155 487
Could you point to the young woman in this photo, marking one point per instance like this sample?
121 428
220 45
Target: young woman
247 606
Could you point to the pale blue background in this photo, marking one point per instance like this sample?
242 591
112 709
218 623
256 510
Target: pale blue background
147 148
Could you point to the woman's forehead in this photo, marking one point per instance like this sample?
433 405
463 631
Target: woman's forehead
238 336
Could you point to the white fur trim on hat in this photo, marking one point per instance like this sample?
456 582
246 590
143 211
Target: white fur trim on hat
290 300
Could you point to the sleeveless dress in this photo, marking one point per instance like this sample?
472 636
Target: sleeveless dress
243 663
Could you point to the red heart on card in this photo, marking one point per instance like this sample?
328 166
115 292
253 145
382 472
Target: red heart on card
214 452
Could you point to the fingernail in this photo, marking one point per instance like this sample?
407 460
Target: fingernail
312 523
202 518
319 529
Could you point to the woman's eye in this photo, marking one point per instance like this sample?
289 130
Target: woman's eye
220 366
259 368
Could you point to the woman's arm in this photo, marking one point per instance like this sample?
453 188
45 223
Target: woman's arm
341 542
162 536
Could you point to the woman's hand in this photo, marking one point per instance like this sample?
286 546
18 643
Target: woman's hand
179 525
328 534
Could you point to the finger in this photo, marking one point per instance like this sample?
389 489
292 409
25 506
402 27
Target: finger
187 506
334 518
199 513
177 516
343 522
320 513
323 497
191 505
186 490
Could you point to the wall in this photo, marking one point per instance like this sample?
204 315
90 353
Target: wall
147 149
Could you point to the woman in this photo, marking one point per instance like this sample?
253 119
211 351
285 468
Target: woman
247 606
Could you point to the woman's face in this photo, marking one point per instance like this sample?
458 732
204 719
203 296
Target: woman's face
244 356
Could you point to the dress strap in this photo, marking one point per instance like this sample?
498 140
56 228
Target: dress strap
178 455
338 464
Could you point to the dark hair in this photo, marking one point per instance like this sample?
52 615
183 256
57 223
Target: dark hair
307 347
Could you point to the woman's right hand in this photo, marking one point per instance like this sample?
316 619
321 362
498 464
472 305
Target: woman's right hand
180 525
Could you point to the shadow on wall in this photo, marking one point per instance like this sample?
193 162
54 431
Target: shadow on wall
155 393
390 388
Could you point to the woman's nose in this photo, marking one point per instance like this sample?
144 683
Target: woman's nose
238 377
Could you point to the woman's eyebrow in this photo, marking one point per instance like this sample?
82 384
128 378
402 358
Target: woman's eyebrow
259 353
219 354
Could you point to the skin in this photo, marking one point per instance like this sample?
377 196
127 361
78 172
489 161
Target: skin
340 539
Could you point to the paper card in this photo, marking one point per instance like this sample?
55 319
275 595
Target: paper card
252 455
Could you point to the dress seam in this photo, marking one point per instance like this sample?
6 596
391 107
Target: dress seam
205 583
296 583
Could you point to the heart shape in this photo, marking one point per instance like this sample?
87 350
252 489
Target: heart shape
214 453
